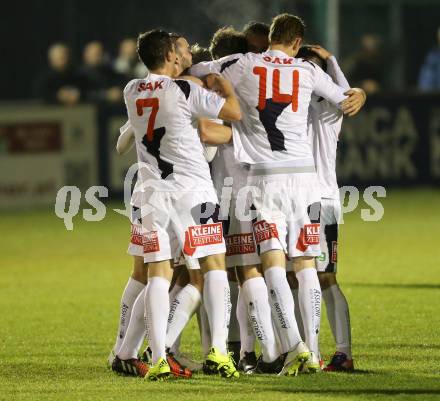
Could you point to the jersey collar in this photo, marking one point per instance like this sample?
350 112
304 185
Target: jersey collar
278 53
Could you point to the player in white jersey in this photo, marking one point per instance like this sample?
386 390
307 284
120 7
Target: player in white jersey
275 90
179 203
324 128
228 177
132 328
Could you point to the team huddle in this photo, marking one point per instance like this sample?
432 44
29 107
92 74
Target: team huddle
236 206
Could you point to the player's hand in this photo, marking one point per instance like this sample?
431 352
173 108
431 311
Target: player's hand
356 99
321 52
219 84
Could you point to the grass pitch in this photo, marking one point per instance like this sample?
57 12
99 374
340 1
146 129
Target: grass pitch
60 290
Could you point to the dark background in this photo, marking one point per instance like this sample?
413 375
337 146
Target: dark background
27 29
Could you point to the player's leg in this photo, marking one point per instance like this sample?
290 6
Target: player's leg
255 294
248 358
234 345
309 297
136 283
126 361
336 304
293 282
182 308
157 308
180 280
283 311
216 298
339 319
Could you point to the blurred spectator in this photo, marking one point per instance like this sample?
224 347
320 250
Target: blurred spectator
128 63
366 69
59 83
257 36
102 83
429 78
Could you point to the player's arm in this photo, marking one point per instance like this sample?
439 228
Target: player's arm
213 133
126 139
350 102
231 108
333 68
204 68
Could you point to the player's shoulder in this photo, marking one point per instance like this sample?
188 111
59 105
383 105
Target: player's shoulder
307 64
186 86
228 61
149 82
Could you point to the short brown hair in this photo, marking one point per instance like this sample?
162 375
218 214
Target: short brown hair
285 28
200 54
153 47
227 41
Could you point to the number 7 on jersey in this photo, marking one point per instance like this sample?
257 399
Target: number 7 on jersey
154 104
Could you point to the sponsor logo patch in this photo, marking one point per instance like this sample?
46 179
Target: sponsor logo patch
207 234
136 235
151 242
264 231
311 234
322 257
239 244
334 258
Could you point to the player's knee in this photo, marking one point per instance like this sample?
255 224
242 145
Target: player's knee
247 272
196 279
160 269
273 258
326 280
140 270
303 262
291 278
181 276
213 262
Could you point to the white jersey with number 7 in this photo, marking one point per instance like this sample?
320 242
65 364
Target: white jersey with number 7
163 113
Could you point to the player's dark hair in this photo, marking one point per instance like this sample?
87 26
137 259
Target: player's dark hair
200 54
256 28
305 52
285 28
153 47
227 41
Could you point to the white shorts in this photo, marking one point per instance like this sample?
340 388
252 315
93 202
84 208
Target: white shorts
175 222
287 211
137 239
330 214
241 249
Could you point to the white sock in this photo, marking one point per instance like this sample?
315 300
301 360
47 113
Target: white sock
339 318
182 308
234 328
157 309
309 295
283 308
174 291
134 337
216 298
204 330
247 335
131 292
298 316
172 294
257 302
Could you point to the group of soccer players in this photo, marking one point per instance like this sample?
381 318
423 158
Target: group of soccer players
249 243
